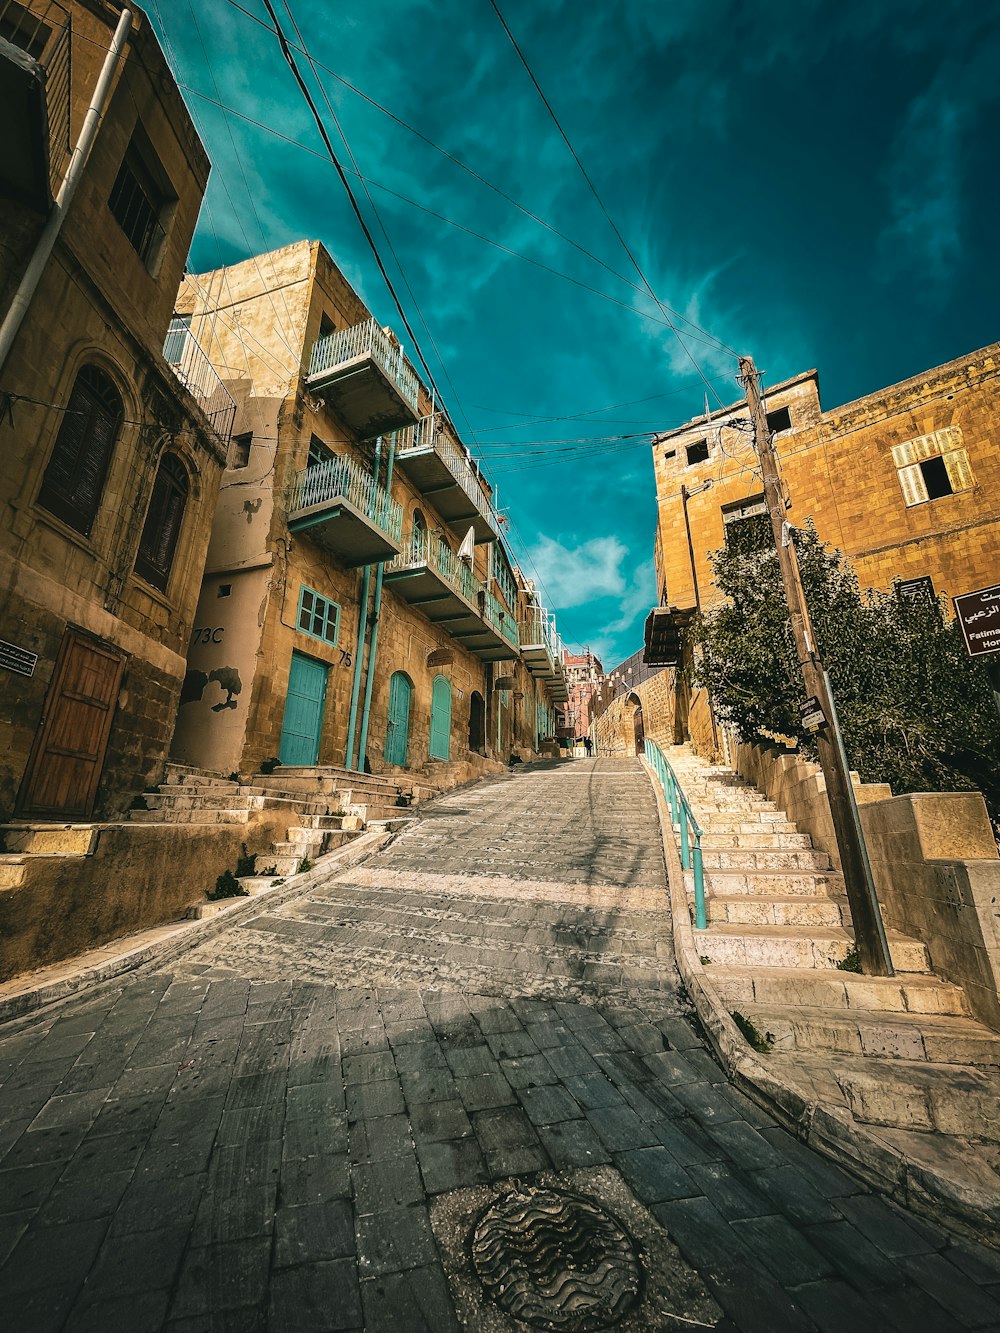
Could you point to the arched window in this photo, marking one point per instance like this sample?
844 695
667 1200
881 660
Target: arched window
74 479
163 523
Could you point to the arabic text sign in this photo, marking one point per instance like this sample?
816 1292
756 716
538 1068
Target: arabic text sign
18 660
979 616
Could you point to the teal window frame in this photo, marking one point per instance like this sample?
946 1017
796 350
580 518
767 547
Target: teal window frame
322 616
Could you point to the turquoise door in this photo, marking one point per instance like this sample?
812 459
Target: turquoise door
397 731
440 747
303 722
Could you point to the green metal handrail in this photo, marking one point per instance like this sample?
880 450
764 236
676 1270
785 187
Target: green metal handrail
690 830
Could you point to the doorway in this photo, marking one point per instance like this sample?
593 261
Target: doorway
440 738
477 722
397 731
303 722
638 727
67 757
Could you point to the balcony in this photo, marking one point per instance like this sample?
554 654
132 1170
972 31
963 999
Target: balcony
362 374
192 367
440 468
542 651
34 99
346 511
429 576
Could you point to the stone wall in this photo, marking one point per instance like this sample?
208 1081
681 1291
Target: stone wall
933 857
614 729
138 876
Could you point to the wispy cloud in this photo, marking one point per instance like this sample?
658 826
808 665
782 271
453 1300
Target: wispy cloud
576 575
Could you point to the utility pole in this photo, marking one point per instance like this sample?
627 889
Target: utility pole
869 932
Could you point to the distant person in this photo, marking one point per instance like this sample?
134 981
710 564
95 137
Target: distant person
588 745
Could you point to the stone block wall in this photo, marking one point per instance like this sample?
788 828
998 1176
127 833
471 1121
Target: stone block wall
933 857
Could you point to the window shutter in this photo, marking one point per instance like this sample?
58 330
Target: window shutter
956 462
912 481
162 528
74 479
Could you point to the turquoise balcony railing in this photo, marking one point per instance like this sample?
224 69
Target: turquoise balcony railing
342 479
367 340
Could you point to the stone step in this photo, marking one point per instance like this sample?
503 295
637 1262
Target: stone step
917 1095
797 947
173 771
764 858
13 871
937 1038
196 816
832 990
770 883
311 842
742 822
195 782
188 798
755 841
370 813
350 823
747 910
270 863
49 839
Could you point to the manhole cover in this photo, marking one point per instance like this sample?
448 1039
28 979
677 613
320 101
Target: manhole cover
556 1261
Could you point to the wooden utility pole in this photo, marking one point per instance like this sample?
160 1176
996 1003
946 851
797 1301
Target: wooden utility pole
869 932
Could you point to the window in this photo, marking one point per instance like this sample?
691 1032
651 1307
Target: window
176 340
504 576
158 543
319 454
747 525
697 452
326 326
670 453
239 450
778 420
74 479
318 617
139 199
933 466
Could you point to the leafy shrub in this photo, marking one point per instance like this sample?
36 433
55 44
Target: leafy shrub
227 886
915 710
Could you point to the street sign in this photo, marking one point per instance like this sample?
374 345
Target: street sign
916 590
813 717
978 614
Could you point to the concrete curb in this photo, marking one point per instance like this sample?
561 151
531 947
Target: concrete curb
828 1129
182 935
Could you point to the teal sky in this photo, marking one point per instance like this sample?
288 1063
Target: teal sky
815 184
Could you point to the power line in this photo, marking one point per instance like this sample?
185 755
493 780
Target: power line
317 64
611 222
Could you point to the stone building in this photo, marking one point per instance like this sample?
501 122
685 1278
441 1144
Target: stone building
905 481
113 434
359 608
583 672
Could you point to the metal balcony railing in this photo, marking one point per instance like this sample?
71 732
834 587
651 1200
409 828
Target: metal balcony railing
194 370
424 548
342 478
538 629
502 621
368 339
429 433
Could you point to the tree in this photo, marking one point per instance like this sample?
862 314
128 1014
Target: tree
915 710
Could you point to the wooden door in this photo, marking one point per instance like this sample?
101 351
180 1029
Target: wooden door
440 738
398 728
303 721
67 757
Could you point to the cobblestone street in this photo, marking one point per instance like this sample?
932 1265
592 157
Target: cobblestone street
273 1132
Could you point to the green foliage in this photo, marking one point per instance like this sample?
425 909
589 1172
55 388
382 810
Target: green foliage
245 863
227 886
269 765
704 959
304 865
915 710
762 1042
233 777
851 961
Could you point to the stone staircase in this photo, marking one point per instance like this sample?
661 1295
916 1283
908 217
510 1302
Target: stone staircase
27 844
329 807
901 1052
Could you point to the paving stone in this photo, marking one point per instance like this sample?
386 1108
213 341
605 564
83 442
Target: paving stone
886 1226
315 1180
833 1306
139 1313
653 1175
483 1091
950 1287
440 1121
320 1298
548 1105
620 1129
381 1139
368 1101
67 1249
222 1277
454 1164
312 1233
379 1186
782 1249
394 1240
573 1143
416 1301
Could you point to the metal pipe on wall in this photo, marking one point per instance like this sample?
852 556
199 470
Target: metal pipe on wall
352 720
93 120
376 614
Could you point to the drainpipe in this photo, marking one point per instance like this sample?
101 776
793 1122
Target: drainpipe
352 720
370 680
74 174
